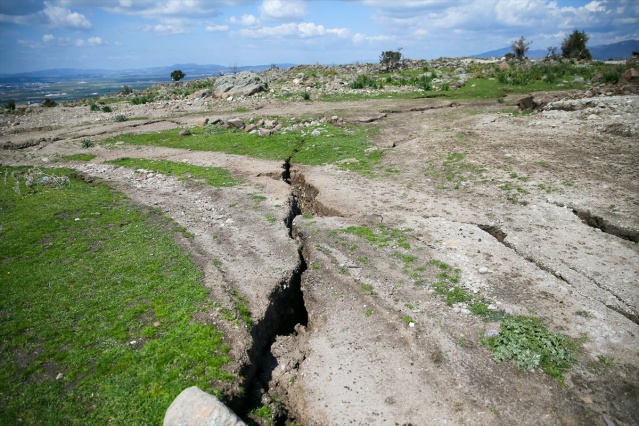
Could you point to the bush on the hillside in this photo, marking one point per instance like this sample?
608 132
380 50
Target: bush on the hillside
424 83
49 103
10 105
126 90
140 100
106 108
364 81
574 46
94 108
120 118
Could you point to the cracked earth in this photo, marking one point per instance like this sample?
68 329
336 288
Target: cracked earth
539 213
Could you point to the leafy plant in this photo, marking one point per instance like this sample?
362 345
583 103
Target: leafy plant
531 344
306 96
10 105
87 143
94 108
106 108
120 118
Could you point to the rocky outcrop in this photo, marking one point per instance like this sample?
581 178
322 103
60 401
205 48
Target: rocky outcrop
194 407
242 84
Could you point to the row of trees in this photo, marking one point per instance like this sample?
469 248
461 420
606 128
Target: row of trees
573 47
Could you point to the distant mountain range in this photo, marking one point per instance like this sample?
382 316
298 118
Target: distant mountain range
618 51
156 73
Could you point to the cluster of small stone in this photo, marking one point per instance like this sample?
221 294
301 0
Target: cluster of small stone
267 126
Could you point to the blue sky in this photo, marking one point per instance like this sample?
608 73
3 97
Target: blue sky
123 34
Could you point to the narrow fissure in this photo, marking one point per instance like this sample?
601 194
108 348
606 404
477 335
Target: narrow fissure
285 311
500 236
604 225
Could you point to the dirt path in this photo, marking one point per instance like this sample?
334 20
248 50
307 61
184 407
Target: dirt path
538 212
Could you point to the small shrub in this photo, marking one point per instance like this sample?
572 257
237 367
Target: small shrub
106 108
306 96
126 90
94 108
10 105
364 81
49 103
120 118
140 100
86 143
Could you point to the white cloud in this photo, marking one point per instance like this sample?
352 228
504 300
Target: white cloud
30 44
60 17
301 30
216 28
165 29
361 38
247 20
282 10
95 41
48 37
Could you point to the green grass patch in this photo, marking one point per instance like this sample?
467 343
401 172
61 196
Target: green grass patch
453 171
215 176
349 146
382 236
79 157
95 288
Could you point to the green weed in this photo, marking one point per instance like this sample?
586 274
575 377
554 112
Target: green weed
531 344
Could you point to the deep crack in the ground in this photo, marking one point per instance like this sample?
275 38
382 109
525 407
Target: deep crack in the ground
286 311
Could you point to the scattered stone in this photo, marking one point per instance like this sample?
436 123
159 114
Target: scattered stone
194 407
185 132
236 122
60 376
483 270
202 122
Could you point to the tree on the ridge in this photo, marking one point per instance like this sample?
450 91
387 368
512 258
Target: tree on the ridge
574 46
177 75
390 59
520 47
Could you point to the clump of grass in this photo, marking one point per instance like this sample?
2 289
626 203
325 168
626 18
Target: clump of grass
94 108
120 118
363 82
79 157
87 143
97 299
381 237
106 108
215 176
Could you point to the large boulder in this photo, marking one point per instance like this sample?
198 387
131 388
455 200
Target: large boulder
242 84
631 76
194 407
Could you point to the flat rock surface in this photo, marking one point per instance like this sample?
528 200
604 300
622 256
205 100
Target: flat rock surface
539 213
